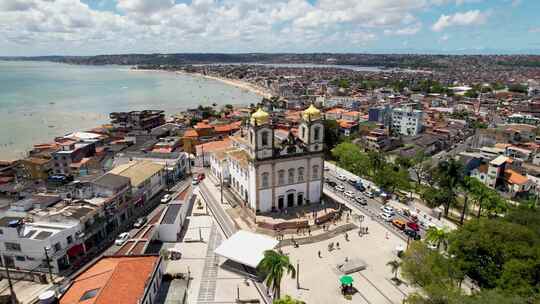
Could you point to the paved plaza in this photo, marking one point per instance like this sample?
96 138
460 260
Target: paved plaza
210 283
319 277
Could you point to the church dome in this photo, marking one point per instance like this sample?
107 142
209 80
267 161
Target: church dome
311 113
259 117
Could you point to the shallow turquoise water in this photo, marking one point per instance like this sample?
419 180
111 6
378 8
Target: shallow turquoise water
41 100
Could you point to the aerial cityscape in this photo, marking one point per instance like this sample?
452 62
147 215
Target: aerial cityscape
275 152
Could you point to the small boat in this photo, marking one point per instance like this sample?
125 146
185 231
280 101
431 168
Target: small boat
51 126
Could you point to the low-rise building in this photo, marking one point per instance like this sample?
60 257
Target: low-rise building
26 244
71 152
117 279
147 178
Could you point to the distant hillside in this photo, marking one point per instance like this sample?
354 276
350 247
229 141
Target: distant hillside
380 60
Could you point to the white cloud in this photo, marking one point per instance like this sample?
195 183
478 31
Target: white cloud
34 27
474 17
405 31
144 6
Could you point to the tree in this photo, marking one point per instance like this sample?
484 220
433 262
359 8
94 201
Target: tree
492 252
288 300
434 197
449 175
437 236
273 266
351 158
486 199
331 135
394 265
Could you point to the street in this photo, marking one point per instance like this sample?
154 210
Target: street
373 207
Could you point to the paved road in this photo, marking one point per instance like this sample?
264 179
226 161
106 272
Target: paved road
227 226
373 207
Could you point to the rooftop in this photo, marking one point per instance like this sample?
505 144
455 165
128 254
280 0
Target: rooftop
137 171
117 279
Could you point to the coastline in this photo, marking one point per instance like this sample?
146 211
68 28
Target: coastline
244 85
236 83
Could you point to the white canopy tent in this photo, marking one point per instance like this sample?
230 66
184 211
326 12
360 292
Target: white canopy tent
246 248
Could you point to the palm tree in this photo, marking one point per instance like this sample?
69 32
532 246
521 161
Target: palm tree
273 266
437 236
449 175
465 186
395 265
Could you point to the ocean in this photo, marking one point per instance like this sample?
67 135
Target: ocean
42 100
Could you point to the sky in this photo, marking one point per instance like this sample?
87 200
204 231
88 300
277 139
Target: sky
93 27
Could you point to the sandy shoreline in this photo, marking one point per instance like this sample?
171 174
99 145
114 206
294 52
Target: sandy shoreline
236 83
232 82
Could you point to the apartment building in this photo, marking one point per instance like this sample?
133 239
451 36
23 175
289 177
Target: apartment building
406 121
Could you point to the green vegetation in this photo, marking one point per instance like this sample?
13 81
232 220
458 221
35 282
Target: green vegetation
331 136
518 88
274 265
288 300
390 177
500 254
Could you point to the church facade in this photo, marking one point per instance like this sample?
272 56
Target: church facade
273 169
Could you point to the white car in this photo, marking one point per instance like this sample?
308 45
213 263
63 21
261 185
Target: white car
121 239
195 181
369 194
342 177
388 209
166 198
386 217
349 194
340 188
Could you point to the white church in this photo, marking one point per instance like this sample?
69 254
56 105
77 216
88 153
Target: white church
272 169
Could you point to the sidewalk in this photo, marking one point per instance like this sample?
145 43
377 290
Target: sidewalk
210 283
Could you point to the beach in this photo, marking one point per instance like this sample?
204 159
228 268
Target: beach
234 82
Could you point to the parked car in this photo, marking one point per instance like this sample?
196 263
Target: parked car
369 194
349 194
340 188
352 180
414 226
412 234
201 176
342 177
399 223
326 168
140 222
358 186
361 200
331 183
121 239
166 198
386 217
195 181
388 209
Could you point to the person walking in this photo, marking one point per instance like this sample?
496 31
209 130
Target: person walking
319 254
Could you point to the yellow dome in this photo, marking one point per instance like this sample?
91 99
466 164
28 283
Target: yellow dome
259 117
311 113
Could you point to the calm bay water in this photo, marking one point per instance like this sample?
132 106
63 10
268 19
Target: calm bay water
41 100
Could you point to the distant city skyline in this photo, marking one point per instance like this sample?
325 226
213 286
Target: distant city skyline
93 27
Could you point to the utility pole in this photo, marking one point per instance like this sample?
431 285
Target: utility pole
221 186
298 274
11 291
48 264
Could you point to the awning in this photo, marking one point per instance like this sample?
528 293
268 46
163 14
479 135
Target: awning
75 250
246 248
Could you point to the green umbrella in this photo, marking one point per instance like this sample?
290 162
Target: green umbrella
346 280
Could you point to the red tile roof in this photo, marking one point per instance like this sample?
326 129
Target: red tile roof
119 280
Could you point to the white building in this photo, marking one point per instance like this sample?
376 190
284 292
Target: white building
407 121
270 171
24 243
147 178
